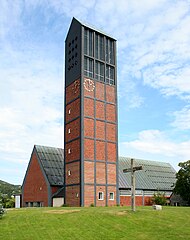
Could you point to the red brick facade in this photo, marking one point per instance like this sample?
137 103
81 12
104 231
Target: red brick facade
102 150
72 144
139 200
35 188
99 134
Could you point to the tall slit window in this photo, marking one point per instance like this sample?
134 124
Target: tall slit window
109 51
88 67
110 72
99 46
88 42
99 71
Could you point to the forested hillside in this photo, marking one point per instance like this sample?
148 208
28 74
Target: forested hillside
9 189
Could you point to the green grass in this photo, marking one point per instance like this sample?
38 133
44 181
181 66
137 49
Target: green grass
96 223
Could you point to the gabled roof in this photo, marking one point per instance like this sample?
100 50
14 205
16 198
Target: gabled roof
155 175
52 161
87 25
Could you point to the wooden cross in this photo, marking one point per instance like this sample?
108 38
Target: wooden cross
132 170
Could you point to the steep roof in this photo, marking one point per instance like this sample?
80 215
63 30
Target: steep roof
87 25
155 175
52 161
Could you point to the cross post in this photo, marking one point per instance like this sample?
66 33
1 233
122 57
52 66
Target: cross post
132 170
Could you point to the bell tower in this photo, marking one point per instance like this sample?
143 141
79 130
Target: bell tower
91 124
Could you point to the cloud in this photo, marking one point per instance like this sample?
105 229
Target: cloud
31 106
156 144
182 119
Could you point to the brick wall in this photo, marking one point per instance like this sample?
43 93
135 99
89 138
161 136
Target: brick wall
73 130
73 196
126 200
99 146
89 149
89 172
100 130
72 144
73 173
101 149
35 188
88 195
89 127
74 152
72 110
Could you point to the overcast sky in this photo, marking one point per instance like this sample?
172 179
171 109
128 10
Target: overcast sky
153 56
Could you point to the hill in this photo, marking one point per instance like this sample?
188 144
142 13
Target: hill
9 189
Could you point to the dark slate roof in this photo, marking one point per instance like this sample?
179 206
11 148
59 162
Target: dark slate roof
52 161
85 24
60 193
155 175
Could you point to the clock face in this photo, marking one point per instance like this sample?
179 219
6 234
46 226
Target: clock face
89 85
76 86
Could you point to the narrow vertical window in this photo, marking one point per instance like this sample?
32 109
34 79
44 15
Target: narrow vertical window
109 51
111 197
69 111
88 42
69 151
99 46
85 41
69 172
88 67
99 71
96 45
100 196
110 75
69 131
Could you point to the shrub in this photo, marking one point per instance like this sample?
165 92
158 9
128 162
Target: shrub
2 211
159 198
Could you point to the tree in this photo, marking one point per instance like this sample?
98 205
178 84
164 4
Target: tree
182 186
6 201
159 198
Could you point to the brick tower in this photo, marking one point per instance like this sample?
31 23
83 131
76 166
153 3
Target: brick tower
91 128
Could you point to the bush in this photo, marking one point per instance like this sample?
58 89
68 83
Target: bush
2 211
159 198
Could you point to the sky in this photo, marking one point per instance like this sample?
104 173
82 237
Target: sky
153 59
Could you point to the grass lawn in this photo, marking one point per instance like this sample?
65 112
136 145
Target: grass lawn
96 223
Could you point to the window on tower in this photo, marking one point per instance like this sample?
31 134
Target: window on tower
99 47
110 75
88 67
100 196
111 196
109 51
88 42
99 71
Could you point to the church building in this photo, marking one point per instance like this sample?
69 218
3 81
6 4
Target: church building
88 171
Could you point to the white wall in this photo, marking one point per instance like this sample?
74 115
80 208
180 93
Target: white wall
17 201
58 202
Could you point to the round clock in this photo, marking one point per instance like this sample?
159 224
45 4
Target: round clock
89 85
76 86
